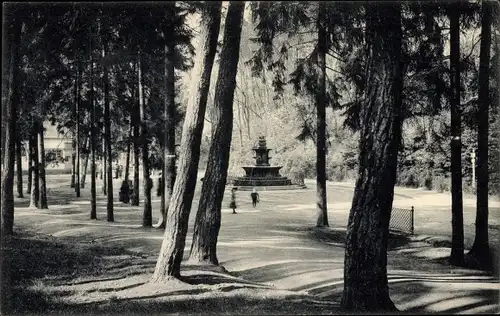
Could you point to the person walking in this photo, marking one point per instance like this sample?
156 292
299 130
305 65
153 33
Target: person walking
255 197
232 204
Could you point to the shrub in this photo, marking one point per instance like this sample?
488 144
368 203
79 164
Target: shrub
408 178
441 184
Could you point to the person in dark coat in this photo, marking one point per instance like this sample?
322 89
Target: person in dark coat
232 204
124 192
255 197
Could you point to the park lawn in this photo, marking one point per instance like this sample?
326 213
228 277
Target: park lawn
277 262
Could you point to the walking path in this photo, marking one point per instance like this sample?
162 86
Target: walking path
275 243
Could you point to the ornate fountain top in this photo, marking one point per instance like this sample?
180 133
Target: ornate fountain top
262 142
261 152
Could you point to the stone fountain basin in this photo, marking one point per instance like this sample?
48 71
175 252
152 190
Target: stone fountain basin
262 171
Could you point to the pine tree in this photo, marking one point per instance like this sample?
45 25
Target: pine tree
171 253
365 265
480 248
457 246
7 195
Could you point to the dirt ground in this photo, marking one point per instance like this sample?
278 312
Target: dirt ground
275 261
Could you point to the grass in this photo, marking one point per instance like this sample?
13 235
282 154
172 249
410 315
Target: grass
275 261
55 277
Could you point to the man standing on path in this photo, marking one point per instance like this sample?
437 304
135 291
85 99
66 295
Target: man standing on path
232 204
255 197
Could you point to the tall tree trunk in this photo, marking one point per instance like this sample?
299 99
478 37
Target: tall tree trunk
84 169
180 204
169 155
480 248
162 188
9 118
457 243
30 166
135 199
129 143
93 197
147 218
19 165
77 131
103 142
73 156
104 159
35 181
86 153
365 265
41 168
107 135
208 217
321 201
240 125
9 153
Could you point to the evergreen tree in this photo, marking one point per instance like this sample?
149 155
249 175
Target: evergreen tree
480 248
365 264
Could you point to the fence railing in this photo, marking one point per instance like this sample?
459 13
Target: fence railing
402 220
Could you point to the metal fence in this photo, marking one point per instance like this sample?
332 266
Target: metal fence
402 220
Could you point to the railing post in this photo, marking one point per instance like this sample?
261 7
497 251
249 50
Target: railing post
412 223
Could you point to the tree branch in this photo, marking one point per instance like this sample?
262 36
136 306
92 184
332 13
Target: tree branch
336 71
336 57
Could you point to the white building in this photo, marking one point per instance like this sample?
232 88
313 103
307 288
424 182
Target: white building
57 144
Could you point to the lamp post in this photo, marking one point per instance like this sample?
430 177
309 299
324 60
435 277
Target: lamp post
473 163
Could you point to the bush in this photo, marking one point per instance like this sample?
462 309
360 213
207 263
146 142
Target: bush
336 173
468 190
408 178
441 184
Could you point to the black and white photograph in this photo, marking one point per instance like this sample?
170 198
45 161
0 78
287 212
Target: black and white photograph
250 158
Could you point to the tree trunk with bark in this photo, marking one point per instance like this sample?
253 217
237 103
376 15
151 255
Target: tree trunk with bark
104 159
12 36
35 181
85 162
457 220
135 197
73 158
19 165
41 168
208 217
175 234
321 201
93 196
107 135
207 223
77 130
129 143
162 192
169 155
9 153
30 166
365 264
480 249
147 218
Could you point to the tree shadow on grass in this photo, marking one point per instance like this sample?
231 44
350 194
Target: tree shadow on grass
238 304
33 259
40 262
274 271
217 279
336 236
414 296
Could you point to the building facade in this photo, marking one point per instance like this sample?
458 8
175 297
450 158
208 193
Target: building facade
58 150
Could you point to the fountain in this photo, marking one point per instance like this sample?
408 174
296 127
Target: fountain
262 174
